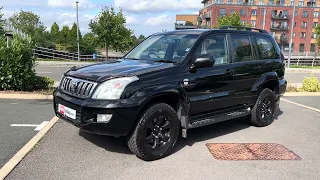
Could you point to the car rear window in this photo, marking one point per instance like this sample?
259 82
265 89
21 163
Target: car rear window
265 48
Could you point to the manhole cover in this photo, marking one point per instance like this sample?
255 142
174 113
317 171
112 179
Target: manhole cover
251 151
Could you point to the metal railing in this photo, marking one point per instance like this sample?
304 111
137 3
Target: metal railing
9 28
46 53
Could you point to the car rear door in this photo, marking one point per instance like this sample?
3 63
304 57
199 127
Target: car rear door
211 88
247 68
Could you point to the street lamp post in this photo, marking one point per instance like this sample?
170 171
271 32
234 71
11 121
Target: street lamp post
264 17
291 33
78 32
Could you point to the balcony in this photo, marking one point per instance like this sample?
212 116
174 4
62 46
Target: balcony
284 38
280 16
279 27
206 16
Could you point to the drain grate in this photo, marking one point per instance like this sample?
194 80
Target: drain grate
251 151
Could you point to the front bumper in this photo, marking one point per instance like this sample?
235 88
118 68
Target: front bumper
124 114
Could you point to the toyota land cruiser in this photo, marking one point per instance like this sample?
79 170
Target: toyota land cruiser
175 81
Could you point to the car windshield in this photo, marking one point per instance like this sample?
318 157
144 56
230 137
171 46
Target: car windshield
171 48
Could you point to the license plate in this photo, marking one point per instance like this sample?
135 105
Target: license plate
68 112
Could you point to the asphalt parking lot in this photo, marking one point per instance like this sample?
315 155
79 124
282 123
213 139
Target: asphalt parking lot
18 123
67 153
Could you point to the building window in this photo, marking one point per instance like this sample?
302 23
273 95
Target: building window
301 48
303 24
316 14
305 14
230 1
294 24
301 2
271 2
253 12
222 12
296 13
240 1
291 2
293 34
312 48
253 23
242 22
315 24
302 35
242 12
232 11
314 36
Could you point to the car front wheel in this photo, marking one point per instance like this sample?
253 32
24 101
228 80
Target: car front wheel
156 132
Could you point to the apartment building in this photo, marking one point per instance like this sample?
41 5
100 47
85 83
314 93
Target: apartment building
275 16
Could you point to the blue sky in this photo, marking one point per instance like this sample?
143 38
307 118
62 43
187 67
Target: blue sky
143 16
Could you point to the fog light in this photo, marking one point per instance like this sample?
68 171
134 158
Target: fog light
103 118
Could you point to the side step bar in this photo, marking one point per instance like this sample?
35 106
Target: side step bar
219 118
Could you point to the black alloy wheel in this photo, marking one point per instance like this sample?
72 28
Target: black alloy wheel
159 132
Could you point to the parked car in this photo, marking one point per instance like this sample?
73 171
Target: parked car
204 77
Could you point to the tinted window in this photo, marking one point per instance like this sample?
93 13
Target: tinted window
215 46
265 48
241 48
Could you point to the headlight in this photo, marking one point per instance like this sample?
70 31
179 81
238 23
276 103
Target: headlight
112 89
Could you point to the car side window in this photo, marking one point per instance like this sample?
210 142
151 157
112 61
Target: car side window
215 46
241 48
265 48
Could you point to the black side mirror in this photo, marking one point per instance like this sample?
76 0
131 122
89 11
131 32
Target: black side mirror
203 61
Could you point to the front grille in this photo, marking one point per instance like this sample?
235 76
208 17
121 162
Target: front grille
77 87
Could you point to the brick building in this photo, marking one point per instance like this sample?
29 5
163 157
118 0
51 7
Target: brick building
278 18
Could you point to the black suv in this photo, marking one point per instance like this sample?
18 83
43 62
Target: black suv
175 81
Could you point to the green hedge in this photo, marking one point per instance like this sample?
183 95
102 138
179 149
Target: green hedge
311 84
17 66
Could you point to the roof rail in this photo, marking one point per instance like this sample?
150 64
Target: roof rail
242 27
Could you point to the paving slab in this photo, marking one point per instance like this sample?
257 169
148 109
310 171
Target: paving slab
67 153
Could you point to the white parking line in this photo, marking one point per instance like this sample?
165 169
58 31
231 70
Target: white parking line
38 126
301 105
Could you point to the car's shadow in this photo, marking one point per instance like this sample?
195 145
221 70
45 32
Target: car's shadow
119 145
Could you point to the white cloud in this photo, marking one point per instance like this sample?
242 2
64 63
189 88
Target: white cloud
131 20
156 6
70 3
162 19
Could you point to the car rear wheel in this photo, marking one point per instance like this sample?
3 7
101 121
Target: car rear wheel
263 110
156 133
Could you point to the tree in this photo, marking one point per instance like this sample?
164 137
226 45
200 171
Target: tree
317 32
55 32
233 19
110 29
188 23
1 23
73 33
27 22
64 35
141 38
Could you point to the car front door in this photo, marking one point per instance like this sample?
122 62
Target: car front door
211 88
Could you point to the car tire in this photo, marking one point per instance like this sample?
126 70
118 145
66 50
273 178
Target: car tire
156 133
263 110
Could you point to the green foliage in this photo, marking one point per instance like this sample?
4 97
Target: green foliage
188 23
17 65
64 35
55 32
141 37
43 83
73 33
317 32
311 84
1 23
110 29
233 19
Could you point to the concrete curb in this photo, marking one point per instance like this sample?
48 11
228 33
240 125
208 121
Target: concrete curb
287 94
15 160
25 96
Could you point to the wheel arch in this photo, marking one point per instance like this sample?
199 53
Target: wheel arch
268 80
